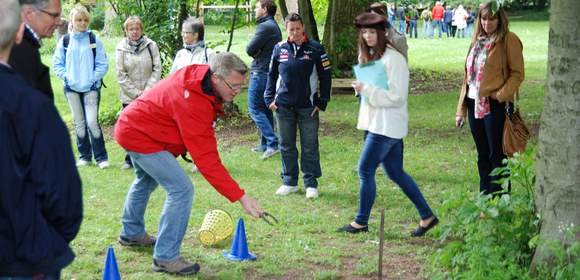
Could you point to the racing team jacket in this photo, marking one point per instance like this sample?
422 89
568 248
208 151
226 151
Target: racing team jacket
177 115
295 72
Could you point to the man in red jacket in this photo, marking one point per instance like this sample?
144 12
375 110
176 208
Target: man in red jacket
177 116
437 22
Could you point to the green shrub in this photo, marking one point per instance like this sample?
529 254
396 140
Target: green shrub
488 238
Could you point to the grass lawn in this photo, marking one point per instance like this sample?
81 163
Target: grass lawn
304 245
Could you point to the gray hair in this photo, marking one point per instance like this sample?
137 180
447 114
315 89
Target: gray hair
9 22
224 63
196 26
39 4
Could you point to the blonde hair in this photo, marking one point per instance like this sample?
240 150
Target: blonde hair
132 19
79 9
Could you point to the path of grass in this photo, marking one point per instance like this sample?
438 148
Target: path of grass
304 245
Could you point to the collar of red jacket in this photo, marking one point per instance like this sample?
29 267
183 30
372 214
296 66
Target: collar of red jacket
197 77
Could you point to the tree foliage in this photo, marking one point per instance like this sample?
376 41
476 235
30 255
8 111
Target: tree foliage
161 19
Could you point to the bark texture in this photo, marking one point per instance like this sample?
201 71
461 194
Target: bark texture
558 158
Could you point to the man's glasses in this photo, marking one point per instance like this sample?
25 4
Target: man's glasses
55 16
232 88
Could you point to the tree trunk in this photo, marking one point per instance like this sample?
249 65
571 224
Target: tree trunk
340 35
305 11
283 8
110 16
558 159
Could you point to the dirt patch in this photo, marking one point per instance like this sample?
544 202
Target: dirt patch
426 81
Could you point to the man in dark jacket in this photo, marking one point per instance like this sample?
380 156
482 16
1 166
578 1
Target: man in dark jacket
298 65
42 17
260 48
40 189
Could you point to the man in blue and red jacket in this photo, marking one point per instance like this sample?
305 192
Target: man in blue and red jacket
299 67
176 116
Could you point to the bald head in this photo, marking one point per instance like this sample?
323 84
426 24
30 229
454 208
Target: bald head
9 23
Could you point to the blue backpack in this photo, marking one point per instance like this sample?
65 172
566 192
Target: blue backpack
92 45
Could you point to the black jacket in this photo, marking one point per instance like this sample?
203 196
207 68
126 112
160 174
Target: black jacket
260 48
40 188
25 60
299 77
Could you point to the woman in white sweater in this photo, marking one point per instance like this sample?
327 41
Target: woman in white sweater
383 113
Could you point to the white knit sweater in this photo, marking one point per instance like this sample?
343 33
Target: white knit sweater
383 111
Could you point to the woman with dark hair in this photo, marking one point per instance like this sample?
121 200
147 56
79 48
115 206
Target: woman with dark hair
494 70
383 113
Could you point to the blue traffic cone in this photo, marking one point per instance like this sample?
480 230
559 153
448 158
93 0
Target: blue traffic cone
111 271
239 251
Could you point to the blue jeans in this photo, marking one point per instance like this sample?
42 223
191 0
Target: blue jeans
150 170
436 24
51 276
426 28
289 119
85 111
388 152
413 26
401 26
262 116
487 134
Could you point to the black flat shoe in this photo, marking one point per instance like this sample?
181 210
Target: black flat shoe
350 229
420 231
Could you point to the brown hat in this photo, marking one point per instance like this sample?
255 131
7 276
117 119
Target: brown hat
370 20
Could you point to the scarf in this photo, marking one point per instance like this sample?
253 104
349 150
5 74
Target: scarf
136 44
477 57
193 46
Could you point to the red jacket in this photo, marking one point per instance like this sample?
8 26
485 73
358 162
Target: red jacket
177 116
438 12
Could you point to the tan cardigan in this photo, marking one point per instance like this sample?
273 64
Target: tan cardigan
503 72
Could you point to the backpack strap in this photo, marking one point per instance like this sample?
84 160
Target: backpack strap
151 55
205 50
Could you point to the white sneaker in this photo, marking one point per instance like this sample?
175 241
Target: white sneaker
104 164
286 190
82 162
194 168
311 192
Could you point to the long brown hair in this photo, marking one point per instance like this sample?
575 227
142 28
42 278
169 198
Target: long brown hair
378 50
484 11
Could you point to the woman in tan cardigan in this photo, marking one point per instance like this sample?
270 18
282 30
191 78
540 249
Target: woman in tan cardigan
494 70
138 65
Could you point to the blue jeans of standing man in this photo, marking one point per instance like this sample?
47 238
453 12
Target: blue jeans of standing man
85 111
387 152
262 116
426 28
436 24
401 26
151 170
289 120
413 27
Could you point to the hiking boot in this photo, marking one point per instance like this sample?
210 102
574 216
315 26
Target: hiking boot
269 152
179 266
286 190
143 240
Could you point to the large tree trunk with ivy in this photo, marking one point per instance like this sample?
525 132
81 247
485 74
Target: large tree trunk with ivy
340 35
558 158
307 14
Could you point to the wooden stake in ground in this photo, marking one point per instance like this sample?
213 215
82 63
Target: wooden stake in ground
381 238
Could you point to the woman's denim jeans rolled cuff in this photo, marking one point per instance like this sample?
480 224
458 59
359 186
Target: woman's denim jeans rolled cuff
289 121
